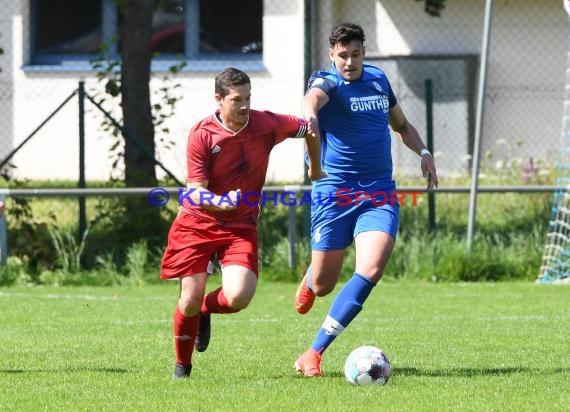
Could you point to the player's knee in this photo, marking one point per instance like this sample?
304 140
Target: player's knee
239 301
322 289
374 274
189 305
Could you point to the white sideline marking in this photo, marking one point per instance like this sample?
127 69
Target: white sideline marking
72 297
263 320
516 318
142 322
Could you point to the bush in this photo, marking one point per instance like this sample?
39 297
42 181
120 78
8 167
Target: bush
16 272
510 234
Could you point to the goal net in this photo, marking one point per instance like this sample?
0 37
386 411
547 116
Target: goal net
555 267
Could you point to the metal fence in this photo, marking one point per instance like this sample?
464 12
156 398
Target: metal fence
523 98
525 78
298 190
44 59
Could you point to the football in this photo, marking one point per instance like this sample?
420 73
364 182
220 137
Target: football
367 365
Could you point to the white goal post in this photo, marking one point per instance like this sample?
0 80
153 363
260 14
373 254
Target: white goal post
555 266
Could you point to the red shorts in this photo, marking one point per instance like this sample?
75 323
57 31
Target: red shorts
193 243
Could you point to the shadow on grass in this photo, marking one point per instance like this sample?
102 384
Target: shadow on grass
468 372
78 369
460 372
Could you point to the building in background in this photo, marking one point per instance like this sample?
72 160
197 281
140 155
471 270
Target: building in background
48 46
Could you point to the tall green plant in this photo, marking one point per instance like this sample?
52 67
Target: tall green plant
137 262
68 250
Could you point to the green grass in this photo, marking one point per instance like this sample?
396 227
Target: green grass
453 347
509 240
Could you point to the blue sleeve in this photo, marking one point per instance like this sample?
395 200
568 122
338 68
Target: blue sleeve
392 101
320 80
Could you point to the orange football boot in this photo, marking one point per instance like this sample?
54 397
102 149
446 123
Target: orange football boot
304 298
309 363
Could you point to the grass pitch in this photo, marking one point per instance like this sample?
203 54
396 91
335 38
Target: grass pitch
453 347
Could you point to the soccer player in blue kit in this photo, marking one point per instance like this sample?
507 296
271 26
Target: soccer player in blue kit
354 106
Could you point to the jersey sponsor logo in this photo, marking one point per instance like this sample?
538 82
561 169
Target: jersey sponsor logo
216 149
370 103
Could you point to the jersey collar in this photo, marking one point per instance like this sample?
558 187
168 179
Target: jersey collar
217 119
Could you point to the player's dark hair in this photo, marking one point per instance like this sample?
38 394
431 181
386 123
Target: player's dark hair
344 33
230 77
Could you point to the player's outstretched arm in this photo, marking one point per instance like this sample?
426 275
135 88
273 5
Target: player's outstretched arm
312 102
411 138
313 145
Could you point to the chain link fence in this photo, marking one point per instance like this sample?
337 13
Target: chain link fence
44 59
50 45
525 75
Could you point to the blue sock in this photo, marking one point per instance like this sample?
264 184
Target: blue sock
347 304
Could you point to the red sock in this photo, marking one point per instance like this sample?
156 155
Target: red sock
216 302
185 331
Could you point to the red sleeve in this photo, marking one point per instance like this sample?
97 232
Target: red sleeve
288 126
198 156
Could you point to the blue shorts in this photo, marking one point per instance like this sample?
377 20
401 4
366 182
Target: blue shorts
342 209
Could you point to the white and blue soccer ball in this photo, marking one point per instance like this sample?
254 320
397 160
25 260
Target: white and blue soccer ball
367 365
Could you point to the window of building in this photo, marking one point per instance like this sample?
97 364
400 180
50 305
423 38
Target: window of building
66 27
64 31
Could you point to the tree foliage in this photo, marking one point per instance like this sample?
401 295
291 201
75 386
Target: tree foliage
433 7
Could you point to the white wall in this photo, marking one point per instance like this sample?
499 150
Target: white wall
7 64
525 80
53 151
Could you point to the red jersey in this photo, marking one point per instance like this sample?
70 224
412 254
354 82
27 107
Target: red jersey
231 160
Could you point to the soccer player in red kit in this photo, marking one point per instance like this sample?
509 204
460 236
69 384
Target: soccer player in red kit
227 155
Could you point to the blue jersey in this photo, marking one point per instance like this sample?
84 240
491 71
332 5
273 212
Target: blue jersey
355 138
